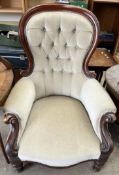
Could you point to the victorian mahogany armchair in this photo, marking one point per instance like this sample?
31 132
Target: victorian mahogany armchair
58 112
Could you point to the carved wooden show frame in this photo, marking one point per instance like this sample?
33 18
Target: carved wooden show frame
12 119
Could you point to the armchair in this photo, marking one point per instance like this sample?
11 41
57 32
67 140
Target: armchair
58 112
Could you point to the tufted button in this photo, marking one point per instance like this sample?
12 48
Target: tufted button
74 30
52 44
47 57
52 70
43 71
69 59
57 58
76 47
39 45
44 29
59 30
65 45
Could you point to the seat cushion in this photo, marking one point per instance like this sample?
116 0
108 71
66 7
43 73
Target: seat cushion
58 133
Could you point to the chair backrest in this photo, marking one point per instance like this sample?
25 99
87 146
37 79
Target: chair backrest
59 41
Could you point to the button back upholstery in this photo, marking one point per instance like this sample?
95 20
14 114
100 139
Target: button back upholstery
59 42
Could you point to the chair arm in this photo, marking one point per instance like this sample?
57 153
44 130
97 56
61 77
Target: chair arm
97 103
20 101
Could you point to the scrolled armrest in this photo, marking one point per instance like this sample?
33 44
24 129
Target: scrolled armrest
107 143
20 101
97 103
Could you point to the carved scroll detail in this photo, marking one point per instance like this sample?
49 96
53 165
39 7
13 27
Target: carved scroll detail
107 143
11 144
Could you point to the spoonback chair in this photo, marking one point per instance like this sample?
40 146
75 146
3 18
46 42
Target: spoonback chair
58 112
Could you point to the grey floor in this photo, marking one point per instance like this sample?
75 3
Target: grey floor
111 167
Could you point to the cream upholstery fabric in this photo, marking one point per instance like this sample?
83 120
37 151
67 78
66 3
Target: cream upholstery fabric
20 101
97 102
58 84
95 99
59 133
59 42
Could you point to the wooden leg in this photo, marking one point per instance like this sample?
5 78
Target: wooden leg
15 161
97 74
98 164
100 76
104 84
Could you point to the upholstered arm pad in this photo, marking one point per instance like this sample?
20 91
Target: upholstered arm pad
97 102
21 100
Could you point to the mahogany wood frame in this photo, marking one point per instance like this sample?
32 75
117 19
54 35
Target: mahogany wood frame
9 118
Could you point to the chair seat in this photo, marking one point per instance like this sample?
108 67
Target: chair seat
58 133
